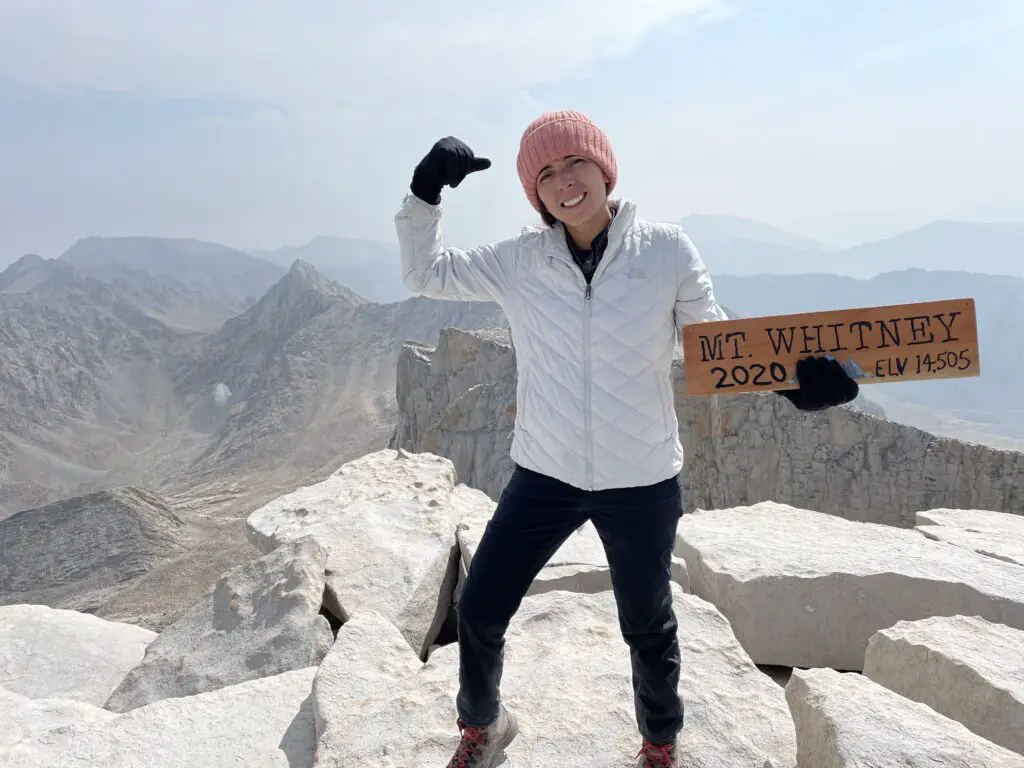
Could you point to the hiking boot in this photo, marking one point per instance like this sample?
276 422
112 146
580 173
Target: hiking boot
658 755
478 746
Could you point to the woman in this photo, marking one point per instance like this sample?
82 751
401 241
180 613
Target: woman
594 300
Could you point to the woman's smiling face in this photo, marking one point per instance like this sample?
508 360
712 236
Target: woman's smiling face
573 189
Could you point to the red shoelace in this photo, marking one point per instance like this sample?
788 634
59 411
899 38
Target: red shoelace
469 747
656 754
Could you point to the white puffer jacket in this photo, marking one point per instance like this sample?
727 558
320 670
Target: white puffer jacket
594 396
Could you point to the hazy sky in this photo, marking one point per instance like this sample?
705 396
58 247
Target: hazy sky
259 123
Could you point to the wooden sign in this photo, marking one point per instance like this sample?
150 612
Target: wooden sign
875 345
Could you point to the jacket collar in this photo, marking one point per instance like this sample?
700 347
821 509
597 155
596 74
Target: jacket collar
623 220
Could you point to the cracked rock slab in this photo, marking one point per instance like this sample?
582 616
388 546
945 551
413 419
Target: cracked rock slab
388 521
567 678
265 723
55 653
844 720
579 565
994 534
808 589
964 667
261 619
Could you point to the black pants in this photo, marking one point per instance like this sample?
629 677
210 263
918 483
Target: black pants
534 516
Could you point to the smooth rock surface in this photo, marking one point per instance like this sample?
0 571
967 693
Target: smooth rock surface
54 653
964 667
26 719
567 677
265 723
579 565
844 720
995 534
388 521
808 589
262 618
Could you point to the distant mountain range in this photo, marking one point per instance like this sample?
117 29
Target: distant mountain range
736 246
736 229
730 245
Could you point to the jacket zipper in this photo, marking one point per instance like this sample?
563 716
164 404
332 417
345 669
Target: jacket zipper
587 370
610 251
587 361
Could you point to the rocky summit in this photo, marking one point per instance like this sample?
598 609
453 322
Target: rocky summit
808 641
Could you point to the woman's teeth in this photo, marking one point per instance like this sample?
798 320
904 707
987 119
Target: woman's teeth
574 202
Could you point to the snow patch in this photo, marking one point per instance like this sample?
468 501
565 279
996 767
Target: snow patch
221 393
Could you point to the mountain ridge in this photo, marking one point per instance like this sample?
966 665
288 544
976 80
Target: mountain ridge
98 392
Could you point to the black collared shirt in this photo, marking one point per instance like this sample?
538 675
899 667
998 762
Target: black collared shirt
588 259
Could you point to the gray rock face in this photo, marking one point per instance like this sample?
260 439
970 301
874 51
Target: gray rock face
458 400
265 723
808 589
996 534
566 677
388 522
76 553
848 721
963 667
49 653
260 620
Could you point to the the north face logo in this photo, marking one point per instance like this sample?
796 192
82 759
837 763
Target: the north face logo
636 274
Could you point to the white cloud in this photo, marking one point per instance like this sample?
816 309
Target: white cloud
324 54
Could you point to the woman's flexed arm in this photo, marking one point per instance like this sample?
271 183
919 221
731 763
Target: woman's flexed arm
428 267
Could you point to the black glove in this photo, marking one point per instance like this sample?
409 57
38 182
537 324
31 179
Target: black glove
823 384
449 161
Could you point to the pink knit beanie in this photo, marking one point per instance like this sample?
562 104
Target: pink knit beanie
557 134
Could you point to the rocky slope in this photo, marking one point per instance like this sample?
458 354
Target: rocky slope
78 552
378 686
161 297
96 391
81 386
458 400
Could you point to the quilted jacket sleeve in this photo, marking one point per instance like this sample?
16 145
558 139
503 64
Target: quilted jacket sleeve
430 269
695 296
